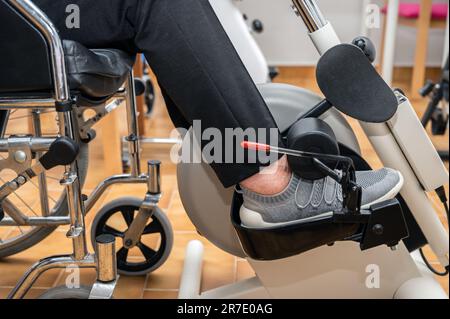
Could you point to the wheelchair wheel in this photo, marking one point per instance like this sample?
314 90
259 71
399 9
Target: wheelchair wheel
29 199
149 96
63 292
154 246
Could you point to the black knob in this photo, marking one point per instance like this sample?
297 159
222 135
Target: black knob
258 26
63 151
427 88
378 229
367 46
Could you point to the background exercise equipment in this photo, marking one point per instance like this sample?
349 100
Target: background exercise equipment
400 142
437 112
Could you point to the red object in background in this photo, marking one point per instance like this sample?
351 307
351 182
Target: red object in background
412 11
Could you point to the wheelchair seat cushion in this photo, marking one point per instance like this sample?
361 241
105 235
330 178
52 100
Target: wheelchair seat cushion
96 73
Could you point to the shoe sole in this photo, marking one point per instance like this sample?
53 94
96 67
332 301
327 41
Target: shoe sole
252 219
391 194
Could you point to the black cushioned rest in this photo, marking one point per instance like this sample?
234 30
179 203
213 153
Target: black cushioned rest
96 73
350 82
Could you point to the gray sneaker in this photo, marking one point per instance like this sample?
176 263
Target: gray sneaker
379 186
306 201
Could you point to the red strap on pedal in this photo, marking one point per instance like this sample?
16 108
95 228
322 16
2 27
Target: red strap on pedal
255 146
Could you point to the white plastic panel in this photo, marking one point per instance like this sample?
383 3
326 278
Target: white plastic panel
417 147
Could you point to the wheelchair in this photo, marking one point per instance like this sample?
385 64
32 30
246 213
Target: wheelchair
49 89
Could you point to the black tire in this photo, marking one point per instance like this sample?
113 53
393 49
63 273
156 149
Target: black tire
149 96
160 224
38 234
62 292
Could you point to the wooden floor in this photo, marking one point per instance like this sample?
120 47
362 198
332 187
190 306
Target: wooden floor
219 267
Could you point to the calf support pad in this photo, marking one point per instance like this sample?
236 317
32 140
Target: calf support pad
350 82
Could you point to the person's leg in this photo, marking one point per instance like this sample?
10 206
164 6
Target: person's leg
103 23
203 77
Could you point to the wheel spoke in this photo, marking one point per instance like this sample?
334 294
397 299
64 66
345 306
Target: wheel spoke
122 254
22 200
25 116
128 216
146 251
53 177
152 228
37 187
112 231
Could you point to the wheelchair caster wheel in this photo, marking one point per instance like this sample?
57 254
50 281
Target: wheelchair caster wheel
63 292
155 243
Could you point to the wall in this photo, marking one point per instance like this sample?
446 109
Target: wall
285 41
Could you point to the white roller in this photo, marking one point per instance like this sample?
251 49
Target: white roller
421 288
192 272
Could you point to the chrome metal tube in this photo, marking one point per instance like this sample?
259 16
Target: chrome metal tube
42 178
113 180
44 25
77 230
160 140
105 251
55 262
11 103
38 221
71 181
133 129
154 177
36 144
310 13
16 214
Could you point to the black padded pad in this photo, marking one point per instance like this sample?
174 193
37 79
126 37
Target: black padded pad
350 82
93 74
96 73
24 54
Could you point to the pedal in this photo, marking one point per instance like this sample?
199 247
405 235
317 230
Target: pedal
386 226
383 224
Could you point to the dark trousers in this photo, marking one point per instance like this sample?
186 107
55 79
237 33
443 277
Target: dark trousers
198 69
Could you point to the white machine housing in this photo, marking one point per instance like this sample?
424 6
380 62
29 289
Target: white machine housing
239 33
417 147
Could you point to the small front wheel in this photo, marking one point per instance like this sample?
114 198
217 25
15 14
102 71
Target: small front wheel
154 246
63 292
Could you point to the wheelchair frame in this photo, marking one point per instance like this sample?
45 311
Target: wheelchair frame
104 260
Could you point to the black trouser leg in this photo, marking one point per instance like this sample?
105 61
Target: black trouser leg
199 70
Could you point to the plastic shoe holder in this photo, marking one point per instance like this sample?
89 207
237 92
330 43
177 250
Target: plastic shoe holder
384 224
